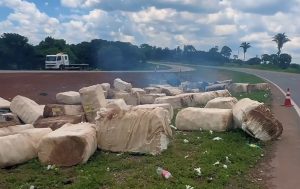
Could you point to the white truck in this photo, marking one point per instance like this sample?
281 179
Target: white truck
61 61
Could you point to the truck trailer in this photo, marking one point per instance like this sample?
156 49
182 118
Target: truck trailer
61 61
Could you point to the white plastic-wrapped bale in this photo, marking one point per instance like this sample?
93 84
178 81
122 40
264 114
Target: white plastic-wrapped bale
15 149
26 109
92 99
135 130
129 98
238 87
258 87
10 130
9 119
178 101
195 119
201 99
165 106
138 90
105 86
54 110
69 145
35 135
117 102
150 90
150 98
215 87
171 91
121 85
69 97
256 119
4 103
57 122
222 103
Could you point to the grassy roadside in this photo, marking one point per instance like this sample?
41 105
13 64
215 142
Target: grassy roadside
264 67
112 170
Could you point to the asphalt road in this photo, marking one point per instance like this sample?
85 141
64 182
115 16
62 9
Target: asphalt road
281 79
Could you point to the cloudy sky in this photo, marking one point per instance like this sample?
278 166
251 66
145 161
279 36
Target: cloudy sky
164 23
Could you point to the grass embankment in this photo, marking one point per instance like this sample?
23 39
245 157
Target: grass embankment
265 67
112 170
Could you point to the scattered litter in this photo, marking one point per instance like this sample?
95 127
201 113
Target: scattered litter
217 138
200 129
186 156
107 169
185 141
188 187
217 163
259 179
262 155
31 187
211 132
172 126
225 166
198 171
227 159
198 137
164 173
184 134
209 179
50 167
205 152
120 154
253 146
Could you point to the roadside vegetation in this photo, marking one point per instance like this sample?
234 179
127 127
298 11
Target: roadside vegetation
223 163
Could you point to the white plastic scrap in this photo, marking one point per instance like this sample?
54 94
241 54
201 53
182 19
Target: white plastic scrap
217 163
31 187
50 167
211 132
185 141
172 126
107 169
198 171
198 137
225 166
205 152
227 159
253 146
186 156
188 187
217 138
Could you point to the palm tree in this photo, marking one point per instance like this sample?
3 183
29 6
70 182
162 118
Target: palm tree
245 46
280 39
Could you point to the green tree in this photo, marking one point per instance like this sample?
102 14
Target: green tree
284 60
245 46
214 49
280 39
226 51
16 52
265 58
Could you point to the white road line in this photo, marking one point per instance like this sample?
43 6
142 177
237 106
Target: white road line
295 106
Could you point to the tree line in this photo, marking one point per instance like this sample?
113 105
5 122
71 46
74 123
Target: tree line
17 53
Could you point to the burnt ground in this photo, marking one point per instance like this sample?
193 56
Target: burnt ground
42 87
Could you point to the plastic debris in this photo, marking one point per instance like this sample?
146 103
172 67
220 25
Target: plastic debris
185 141
51 167
205 152
120 154
188 187
164 173
225 166
227 159
217 163
198 137
186 156
31 187
172 126
107 169
217 138
198 171
211 132
253 146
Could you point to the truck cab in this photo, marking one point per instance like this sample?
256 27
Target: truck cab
58 61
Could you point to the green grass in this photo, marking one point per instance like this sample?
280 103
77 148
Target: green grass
137 171
264 67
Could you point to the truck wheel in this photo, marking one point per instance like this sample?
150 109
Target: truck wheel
61 67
